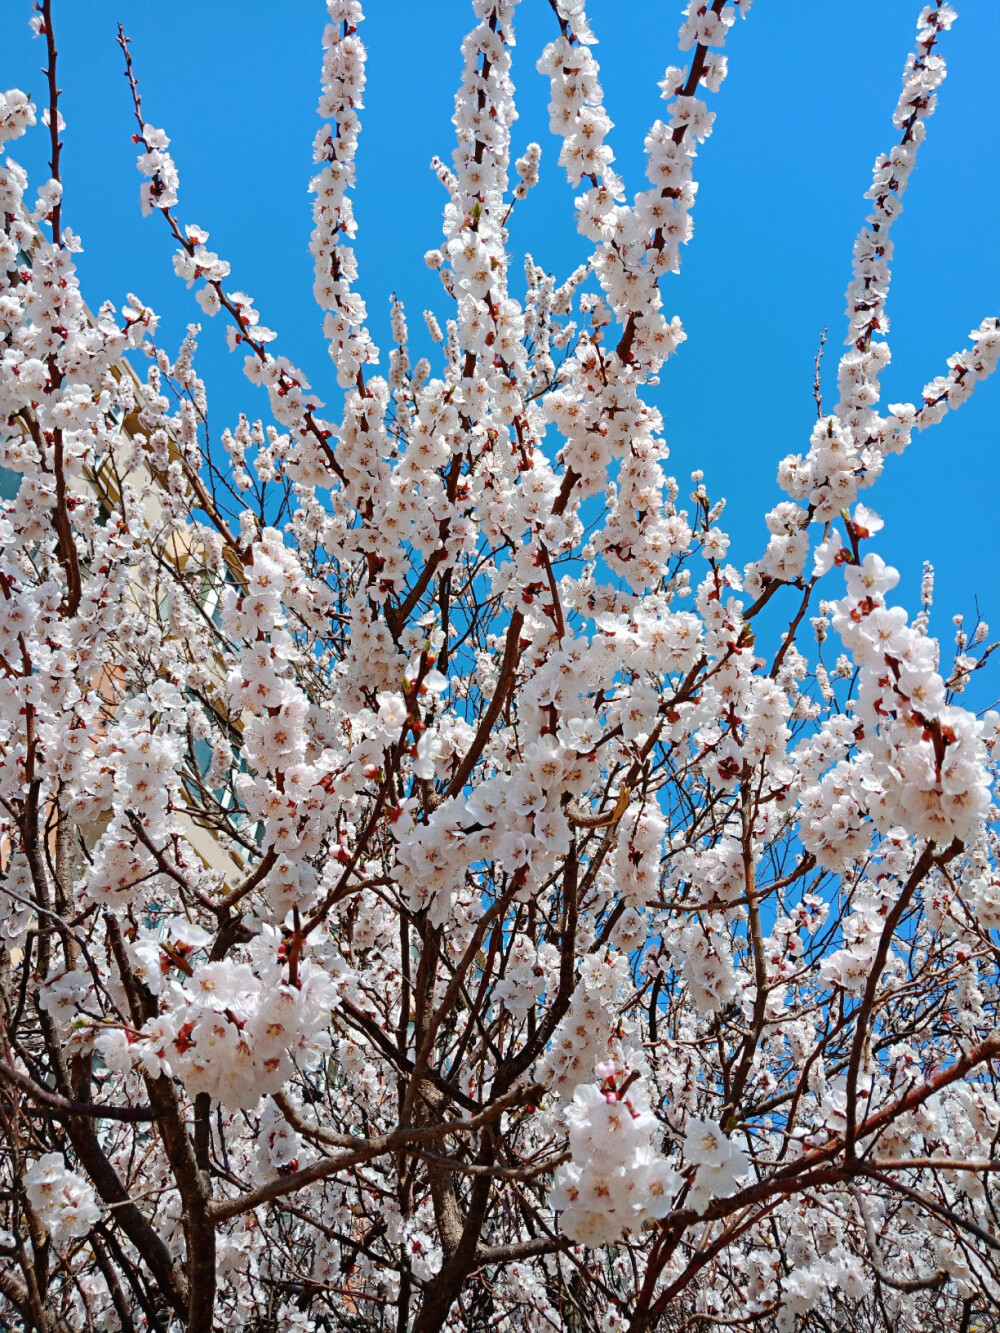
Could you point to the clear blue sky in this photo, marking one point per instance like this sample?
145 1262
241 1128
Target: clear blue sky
806 108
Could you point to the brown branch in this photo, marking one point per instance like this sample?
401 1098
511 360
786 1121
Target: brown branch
932 1206
62 1107
930 1283
263 868
54 91
504 685
367 1149
925 861
753 1036
817 388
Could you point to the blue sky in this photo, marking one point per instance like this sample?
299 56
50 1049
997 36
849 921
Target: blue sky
806 108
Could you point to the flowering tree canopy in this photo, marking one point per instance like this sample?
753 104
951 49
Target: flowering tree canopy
438 889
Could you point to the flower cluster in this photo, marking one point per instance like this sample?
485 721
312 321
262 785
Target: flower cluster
63 1201
161 169
581 1041
617 1179
17 114
719 1164
927 770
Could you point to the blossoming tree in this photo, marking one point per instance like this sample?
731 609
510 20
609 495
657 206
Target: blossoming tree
427 901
